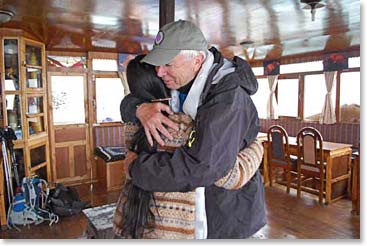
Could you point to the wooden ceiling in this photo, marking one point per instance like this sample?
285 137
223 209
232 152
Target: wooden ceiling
267 29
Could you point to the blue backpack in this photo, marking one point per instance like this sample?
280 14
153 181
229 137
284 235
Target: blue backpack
29 206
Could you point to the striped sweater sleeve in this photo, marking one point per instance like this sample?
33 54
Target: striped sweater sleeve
247 162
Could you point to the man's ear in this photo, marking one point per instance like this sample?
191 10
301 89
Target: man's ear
198 61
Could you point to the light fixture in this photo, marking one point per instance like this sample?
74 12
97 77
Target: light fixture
5 16
313 5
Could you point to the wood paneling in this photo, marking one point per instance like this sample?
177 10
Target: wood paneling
69 134
109 135
270 29
339 132
80 159
62 158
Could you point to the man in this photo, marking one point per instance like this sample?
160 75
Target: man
216 94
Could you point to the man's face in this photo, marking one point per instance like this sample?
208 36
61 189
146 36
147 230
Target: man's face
179 71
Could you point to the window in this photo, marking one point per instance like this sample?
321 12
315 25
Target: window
109 92
260 98
258 70
354 62
67 61
301 67
68 99
350 88
288 97
104 65
314 96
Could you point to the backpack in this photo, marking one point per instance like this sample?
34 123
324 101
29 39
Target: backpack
65 201
29 205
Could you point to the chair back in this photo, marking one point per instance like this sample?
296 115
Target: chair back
278 144
310 145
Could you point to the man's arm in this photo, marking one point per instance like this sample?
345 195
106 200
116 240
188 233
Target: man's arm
222 128
133 109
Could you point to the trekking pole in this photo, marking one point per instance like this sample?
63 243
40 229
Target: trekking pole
10 136
9 184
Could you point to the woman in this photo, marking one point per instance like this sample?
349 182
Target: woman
168 215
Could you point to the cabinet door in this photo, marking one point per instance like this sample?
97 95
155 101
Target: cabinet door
35 114
34 88
12 95
69 128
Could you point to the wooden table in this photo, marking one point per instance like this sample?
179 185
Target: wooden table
338 159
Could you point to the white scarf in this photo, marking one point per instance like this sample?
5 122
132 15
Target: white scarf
191 103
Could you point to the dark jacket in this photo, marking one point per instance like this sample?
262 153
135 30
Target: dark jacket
226 122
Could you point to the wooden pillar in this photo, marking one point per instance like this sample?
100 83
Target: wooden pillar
166 12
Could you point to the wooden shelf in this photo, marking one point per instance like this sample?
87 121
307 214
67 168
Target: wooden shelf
33 66
39 166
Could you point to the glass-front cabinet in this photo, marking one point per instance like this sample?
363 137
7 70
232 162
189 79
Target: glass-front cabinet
12 104
24 102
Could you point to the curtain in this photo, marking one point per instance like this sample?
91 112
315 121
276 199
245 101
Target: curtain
272 107
328 110
122 76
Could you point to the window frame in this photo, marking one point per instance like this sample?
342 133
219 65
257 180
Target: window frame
285 77
99 74
338 85
301 81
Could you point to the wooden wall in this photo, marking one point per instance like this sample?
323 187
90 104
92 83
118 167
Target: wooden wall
339 132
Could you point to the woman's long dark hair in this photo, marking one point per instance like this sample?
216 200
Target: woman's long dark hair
145 85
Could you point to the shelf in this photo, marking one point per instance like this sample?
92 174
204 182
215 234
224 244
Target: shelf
34 115
35 168
32 66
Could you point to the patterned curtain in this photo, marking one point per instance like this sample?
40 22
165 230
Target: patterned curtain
272 107
328 110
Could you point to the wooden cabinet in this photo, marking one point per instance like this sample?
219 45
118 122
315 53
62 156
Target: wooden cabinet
111 174
24 102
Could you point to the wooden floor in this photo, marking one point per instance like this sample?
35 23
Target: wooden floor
288 218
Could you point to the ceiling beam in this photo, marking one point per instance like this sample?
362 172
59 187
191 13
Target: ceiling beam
166 12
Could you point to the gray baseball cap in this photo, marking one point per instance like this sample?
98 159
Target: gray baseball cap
172 38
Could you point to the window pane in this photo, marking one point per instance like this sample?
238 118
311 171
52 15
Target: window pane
260 98
258 70
354 62
104 65
350 101
314 96
68 99
67 61
109 93
288 97
301 67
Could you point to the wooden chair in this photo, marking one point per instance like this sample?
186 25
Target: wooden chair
310 162
278 154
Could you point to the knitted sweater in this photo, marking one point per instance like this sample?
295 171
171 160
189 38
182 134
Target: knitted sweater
174 212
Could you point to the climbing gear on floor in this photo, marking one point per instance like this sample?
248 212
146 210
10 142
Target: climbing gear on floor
29 207
65 201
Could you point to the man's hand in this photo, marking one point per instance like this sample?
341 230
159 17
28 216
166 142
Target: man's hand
129 158
152 119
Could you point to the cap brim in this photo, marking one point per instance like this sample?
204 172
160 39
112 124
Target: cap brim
158 57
